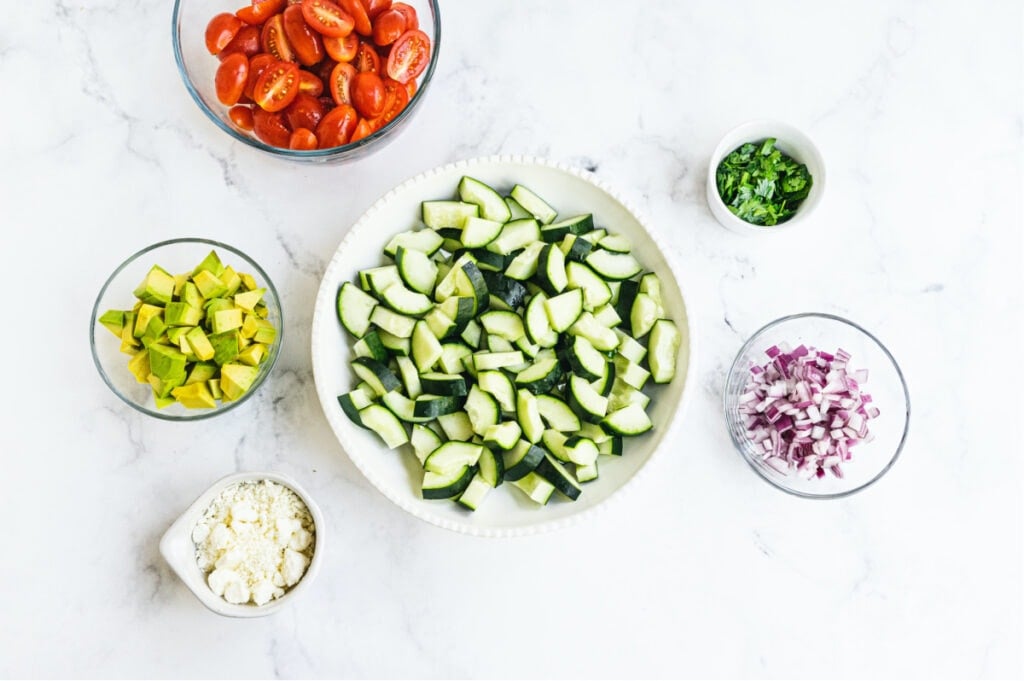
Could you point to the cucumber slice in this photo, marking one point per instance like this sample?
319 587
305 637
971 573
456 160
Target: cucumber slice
516 212
424 442
589 404
504 435
376 279
535 487
460 310
405 301
514 236
426 349
540 377
500 387
456 426
492 206
556 231
446 485
441 325
536 323
355 309
486 260
475 492
453 358
581 451
376 374
499 344
535 205
478 232
410 376
381 421
599 335
469 281
439 214
629 373
551 270
629 420
595 291
643 315
651 285
664 346
395 344
404 408
585 361
482 410
593 431
624 299
557 414
472 334
371 346
623 395
452 385
423 240
453 456
615 243
416 269
509 291
352 402
392 322
607 315
611 447
431 407
563 310
616 266
487 361
595 236
554 442
524 265
554 472
586 473
521 460
507 325
576 249
528 415
492 467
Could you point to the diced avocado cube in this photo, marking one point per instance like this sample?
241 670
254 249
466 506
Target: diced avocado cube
144 316
128 342
209 285
157 288
231 280
235 379
211 263
162 402
162 387
186 349
243 343
214 385
155 331
182 314
139 365
253 354
174 335
190 294
194 396
166 361
265 332
200 344
201 372
179 283
114 321
261 310
214 306
225 346
250 326
226 320
248 300
248 281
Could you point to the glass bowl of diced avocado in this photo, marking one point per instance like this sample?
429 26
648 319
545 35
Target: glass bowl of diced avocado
186 329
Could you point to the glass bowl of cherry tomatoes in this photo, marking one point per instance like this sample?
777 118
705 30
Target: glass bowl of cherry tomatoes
307 80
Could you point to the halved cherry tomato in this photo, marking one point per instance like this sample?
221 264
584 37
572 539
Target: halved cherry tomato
410 87
412 22
368 94
257 65
275 41
246 41
271 128
305 112
260 10
307 44
277 87
342 49
357 10
221 30
310 84
375 7
340 83
396 98
367 58
336 127
388 27
327 18
231 77
302 140
362 130
241 116
409 56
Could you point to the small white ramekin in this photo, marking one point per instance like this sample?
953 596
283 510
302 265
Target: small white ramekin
790 141
179 550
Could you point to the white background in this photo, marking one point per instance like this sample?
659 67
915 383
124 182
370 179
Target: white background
703 569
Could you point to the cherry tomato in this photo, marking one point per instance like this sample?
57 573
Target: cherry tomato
310 84
260 10
396 98
231 77
388 27
302 140
221 30
305 112
375 7
241 116
271 128
257 65
412 22
410 87
336 127
274 40
327 18
409 56
246 41
362 130
277 87
368 94
340 83
367 58
357 10
342 49
307 44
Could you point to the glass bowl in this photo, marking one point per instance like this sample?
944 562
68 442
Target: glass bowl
176 256
869 460
198 67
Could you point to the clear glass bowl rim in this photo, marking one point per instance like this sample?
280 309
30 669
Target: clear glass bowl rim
199 414
333 152
734 367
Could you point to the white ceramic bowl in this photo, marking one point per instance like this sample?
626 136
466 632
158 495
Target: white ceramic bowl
397 474
790 141
179 550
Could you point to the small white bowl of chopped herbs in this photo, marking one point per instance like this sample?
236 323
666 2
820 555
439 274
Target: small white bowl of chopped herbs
764 176
248 545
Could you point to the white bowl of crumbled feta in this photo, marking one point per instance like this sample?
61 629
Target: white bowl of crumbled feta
248 544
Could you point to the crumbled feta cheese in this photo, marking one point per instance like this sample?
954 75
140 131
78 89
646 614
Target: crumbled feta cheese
253 541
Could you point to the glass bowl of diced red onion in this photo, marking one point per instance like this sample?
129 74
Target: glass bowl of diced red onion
817 406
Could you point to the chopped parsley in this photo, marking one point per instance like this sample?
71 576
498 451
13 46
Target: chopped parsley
762 185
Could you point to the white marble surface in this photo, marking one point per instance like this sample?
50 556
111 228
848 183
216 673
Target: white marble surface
703 570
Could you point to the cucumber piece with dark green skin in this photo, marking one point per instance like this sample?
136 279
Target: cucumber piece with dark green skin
450 214
451 385
534 204
540 377
447 485
355 308
485 260
627 294
629 420
523 458
588 404
595 290
492 467
424 442
581 450
614 266
551 270
380 420
492 206
611 447
469 282
586 474
431 407
510 291
536 322
416 270
483 410
585 361
515 235
460 310
557 414
370 345
377 374
352 402
402 407
478 232
554 472
424 240
556 231
507 325
452 456
576 249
